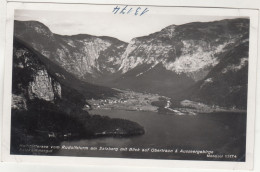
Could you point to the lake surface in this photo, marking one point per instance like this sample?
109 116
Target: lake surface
222 133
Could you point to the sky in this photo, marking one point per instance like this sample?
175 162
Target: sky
105 23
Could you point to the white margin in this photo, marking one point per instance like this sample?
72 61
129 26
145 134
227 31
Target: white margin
2 55
238 4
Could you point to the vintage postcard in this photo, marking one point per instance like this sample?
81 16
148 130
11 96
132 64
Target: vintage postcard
130 82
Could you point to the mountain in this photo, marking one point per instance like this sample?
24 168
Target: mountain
192 49
174 59
85 56
49 104
172 62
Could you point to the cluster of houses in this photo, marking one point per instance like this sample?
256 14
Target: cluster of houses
108 101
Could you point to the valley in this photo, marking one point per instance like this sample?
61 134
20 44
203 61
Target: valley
200 61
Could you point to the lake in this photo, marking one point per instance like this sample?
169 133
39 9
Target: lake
222 133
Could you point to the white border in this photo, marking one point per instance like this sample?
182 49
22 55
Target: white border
253 4
2 53
115 161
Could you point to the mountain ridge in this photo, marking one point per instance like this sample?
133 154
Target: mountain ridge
170 50
182 55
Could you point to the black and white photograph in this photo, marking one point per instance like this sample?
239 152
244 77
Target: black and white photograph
130 83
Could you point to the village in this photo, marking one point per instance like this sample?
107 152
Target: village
127 100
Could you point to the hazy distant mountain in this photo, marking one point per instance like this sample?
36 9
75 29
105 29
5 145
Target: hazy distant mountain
169 62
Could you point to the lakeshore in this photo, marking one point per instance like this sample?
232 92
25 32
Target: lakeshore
136 101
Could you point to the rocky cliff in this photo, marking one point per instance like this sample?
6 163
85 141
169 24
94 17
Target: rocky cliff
227 82
31 80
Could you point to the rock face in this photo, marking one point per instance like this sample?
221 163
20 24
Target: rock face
227 82
169 62
43 87
31 79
